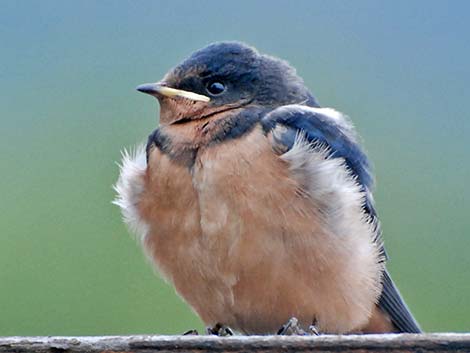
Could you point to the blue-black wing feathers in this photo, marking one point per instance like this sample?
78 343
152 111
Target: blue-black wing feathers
318 127
393 304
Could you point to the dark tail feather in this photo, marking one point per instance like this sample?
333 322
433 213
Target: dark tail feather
393 304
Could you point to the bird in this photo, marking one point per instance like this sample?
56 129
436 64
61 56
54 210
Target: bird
256 203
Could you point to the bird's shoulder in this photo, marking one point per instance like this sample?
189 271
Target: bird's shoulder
321 126
332 136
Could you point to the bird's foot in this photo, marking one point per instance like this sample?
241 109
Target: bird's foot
291 328
313 331
191 333
219 330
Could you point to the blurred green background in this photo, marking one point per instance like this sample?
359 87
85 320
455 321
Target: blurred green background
68 70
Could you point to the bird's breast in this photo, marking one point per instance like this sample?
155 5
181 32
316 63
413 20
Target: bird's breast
241 240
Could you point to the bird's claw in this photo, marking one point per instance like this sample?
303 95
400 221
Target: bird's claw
219 330
313 331
291 328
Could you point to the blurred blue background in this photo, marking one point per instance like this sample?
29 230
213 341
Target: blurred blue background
68 70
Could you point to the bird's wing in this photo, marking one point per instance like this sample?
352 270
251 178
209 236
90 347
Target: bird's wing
393 304
334 131
331 129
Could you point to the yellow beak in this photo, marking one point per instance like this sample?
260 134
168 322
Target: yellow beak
158 89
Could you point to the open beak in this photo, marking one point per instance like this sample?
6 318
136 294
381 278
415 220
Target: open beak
156 89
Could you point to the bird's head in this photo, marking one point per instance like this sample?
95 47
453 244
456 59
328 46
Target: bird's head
225 76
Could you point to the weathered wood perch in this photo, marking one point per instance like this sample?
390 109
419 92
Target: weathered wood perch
442 342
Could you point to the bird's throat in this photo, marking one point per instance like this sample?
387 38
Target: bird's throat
182 139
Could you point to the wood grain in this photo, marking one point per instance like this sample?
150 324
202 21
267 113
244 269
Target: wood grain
393 343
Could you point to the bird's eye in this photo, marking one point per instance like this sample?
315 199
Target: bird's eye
215 88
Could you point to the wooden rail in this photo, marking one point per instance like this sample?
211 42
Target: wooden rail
442 342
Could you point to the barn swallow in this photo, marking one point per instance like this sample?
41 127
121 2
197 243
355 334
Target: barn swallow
256 203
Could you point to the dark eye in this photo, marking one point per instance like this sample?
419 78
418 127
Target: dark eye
215 88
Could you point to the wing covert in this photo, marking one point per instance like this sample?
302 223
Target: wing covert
331 129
